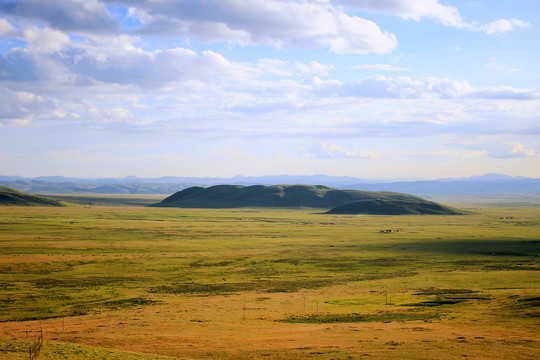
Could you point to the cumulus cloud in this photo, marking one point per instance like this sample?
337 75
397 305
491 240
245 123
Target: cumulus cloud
519 151
121 79
44 39
409 9
375 87
433 9
157 68
72 74
6 29
19 108
78 16
502 26
282 68
278 23
52 55
324 150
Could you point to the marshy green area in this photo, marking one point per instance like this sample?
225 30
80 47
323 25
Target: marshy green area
84 261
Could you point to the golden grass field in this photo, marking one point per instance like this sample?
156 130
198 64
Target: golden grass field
108 282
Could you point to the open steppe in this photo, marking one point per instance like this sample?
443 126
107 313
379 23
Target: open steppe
102 282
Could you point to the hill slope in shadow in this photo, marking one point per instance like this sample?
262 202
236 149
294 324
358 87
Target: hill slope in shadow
394 207
12 197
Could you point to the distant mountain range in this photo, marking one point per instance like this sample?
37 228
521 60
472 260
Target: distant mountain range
236 180
489 184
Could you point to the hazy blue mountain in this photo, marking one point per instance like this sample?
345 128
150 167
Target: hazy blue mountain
489 184
491 178
457 187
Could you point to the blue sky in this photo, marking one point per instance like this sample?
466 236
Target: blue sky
365 88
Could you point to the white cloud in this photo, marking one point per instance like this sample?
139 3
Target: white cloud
117 114
495 66
520 151
78 16
376 87
409 9
418 9
70 66
503 26
157 68
324 150
6 29
448 88
315 67
120 80
501 149
116 82
52 56
45 39
408 88
21 107
283 24
379 67
506 92
281 68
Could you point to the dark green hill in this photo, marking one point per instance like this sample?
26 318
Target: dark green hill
312 196
11 197
394 207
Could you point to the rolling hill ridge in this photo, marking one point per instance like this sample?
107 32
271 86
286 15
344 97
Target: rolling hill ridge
11 197
299 196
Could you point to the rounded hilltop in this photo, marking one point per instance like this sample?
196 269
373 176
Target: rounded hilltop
304 196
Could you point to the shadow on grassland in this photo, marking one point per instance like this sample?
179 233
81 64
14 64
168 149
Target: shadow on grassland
529 248
482 254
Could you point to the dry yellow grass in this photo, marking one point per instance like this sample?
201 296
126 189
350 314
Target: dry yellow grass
257 282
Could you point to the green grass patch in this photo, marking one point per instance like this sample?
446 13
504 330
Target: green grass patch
70 259
436 291
356 317
268 286
437 302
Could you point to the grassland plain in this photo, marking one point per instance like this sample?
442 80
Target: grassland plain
160 283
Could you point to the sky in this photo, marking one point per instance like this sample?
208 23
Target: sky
381 89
